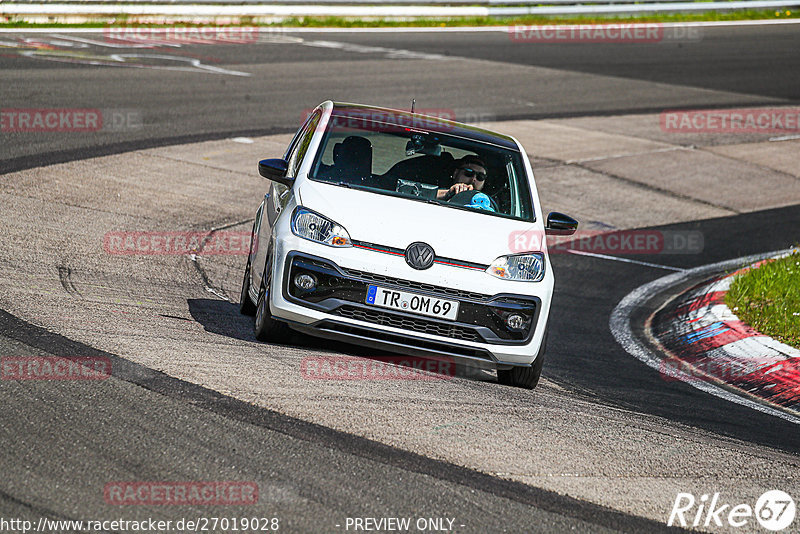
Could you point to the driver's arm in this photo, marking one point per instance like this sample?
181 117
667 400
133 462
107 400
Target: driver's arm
447 194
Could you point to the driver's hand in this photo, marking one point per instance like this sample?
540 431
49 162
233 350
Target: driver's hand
455 189
458 188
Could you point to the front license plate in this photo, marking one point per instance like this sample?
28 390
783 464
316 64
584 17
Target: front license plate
411 302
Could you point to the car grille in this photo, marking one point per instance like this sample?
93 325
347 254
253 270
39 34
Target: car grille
412 343
458 293
408 323
342 292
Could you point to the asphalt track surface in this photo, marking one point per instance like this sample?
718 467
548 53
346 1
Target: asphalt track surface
739 66
61 442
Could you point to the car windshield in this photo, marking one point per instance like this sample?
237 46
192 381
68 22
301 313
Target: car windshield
421 165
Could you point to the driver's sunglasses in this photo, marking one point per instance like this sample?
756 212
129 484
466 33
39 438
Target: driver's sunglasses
469 173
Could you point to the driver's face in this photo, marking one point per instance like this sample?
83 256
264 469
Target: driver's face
470 174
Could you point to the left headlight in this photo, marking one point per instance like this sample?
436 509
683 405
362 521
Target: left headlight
314 227
524 267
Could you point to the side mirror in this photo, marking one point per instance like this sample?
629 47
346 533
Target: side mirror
275 170
560 224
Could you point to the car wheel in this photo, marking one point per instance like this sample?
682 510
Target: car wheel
246 306
266 327
524 377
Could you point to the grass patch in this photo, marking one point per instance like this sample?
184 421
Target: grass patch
348 22
768 299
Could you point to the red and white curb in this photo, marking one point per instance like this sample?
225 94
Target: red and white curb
708 341
712 350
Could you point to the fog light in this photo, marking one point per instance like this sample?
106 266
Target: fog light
304 281
515 321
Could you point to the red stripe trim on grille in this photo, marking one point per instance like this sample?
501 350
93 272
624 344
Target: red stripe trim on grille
459 265
379 250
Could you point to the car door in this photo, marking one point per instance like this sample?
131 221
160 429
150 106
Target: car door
279 196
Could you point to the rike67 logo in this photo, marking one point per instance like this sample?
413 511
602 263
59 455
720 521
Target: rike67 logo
774 510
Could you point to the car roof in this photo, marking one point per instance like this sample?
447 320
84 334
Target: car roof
425 122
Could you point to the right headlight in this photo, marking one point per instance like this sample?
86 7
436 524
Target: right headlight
314 227
522 267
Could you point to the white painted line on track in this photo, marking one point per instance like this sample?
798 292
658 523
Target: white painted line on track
412 29
625 260
120 60
784 138
106 44
390 53
620 325
627 155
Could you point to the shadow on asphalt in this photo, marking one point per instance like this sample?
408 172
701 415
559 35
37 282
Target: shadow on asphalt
223 318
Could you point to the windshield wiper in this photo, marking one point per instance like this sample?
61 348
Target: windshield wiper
422 199
349 185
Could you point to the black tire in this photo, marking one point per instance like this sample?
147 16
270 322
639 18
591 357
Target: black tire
524 377
265 326
246 306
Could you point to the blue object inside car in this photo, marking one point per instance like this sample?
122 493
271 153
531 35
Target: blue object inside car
481 201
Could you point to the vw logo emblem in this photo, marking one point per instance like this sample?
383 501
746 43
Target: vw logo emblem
419 255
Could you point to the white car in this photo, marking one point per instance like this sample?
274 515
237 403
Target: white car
394 230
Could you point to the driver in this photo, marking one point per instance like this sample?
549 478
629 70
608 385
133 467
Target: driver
470 174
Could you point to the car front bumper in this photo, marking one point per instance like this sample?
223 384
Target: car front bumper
336 308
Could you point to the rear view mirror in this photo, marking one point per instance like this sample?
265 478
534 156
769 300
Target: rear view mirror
560 224
275 170
423 144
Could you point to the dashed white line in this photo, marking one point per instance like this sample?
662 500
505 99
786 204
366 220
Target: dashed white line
625 260
785 138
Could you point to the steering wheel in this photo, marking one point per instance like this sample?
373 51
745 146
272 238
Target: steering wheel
465 197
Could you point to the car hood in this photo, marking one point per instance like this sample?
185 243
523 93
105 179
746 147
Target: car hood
458 234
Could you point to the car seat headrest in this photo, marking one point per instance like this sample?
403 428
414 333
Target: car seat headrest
353 155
